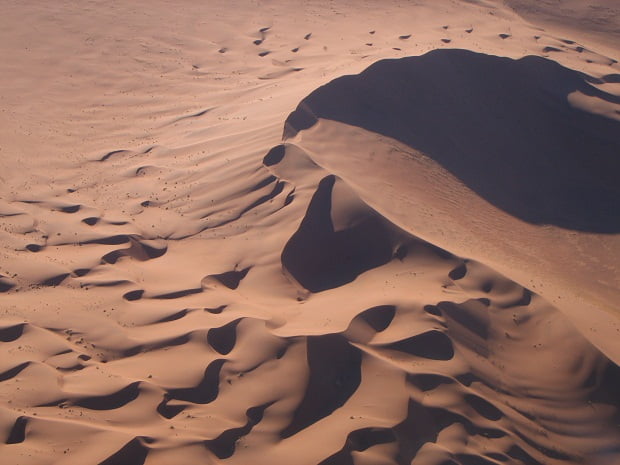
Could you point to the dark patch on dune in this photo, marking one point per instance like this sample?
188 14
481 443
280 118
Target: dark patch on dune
335 373
458 273
303 117
320 258
206 391
433 344
18 431
108 155
33 247
282 351
549 452
133 295
179 294
360 440
223 338
611 78
472 315
483 407
423 424
432 309
118 282
216 310
342 457
192 116
469 459
5 286
134 453
111 240
55 280
91 220
11 333
231 279
162 344
498 456
363 439
13 372
466 379
607 389
380 317
137 250
175 316
504 127
224 445
264 183
153 252
277 190
516 452
70 208
76 367
169 411
401 252
525 299
289 198
418 428
111 401
428 381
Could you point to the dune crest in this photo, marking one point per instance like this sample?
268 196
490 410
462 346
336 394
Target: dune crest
505 128
453 131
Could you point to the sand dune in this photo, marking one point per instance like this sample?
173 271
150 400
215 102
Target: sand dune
313 233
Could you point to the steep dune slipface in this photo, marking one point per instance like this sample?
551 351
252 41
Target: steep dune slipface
504 127
493 373
465 148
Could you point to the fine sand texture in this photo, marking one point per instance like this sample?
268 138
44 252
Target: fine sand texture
310 233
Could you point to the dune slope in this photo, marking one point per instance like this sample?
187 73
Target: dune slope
458 147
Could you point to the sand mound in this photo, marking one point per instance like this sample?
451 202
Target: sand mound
505 128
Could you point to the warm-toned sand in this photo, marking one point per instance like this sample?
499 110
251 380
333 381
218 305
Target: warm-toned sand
216 249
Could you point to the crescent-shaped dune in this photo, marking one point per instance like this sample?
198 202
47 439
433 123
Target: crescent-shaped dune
310 233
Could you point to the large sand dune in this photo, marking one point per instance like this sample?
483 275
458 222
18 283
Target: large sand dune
309 233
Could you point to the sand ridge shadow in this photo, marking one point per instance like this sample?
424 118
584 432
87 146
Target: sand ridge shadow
320 258
504 127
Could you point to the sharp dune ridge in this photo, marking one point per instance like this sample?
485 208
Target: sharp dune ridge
322 233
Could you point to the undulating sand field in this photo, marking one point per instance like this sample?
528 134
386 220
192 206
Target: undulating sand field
326 232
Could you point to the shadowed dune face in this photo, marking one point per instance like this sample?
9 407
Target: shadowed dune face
321 258
504 127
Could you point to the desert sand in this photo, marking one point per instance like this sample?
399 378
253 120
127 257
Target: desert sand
300 233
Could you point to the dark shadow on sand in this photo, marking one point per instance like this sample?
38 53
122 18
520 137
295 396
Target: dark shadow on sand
504 127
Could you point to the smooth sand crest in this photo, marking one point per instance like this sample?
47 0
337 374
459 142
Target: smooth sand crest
423 270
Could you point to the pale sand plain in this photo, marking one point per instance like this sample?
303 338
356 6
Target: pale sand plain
326 232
